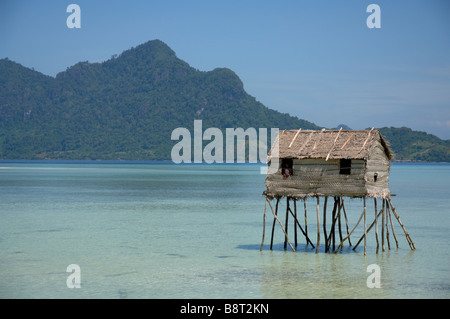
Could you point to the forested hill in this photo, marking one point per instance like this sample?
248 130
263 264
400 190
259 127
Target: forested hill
127 107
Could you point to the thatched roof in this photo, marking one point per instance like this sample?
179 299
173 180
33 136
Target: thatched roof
329 144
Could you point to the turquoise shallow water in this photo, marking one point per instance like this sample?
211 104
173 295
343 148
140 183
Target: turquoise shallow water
153 230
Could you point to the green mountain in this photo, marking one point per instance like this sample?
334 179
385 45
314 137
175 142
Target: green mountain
127 107
124 108
409 145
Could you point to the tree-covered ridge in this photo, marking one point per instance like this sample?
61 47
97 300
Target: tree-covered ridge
409 145
128 106
123 108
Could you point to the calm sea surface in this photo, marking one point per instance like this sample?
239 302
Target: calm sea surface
153 230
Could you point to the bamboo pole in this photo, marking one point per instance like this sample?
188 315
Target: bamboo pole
286 223
354 227
318 226
382 225
295 216
281 224
408 238
376 223
332 229
306 221
297 222
325 222
368 230
346 220
338 199
387 228
264 225
365 227
274 221
392 225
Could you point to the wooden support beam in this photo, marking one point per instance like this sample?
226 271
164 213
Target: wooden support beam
408 238
368 230
318 226
392 226
354 227
264 226
346 220
382 225
274 221
325 223
295 217
281 224
306 222
286 222
376 223
298 224
365 227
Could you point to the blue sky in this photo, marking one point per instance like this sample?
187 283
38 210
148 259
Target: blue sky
317 60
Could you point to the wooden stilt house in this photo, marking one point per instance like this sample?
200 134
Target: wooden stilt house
329 163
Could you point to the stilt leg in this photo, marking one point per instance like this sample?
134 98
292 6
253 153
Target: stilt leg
281 224
382 225
274 221
286 222
408 238
376 223
392 226
346 220
318 226
306 221
325 223
295 225
264 226
365 227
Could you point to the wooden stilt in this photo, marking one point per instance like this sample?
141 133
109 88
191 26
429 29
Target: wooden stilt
264 226
338 202
368 230
365 227
387 227
318 226
300 226
295 225
286 222
281 224
348 236
408 238
306 221
333 227
382 225
376 223
325 223
392 226
274 221
331 236
346 220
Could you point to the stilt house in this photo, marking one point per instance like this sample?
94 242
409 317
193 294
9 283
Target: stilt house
329 163
336 164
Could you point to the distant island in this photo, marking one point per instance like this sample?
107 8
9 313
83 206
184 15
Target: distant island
127 107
